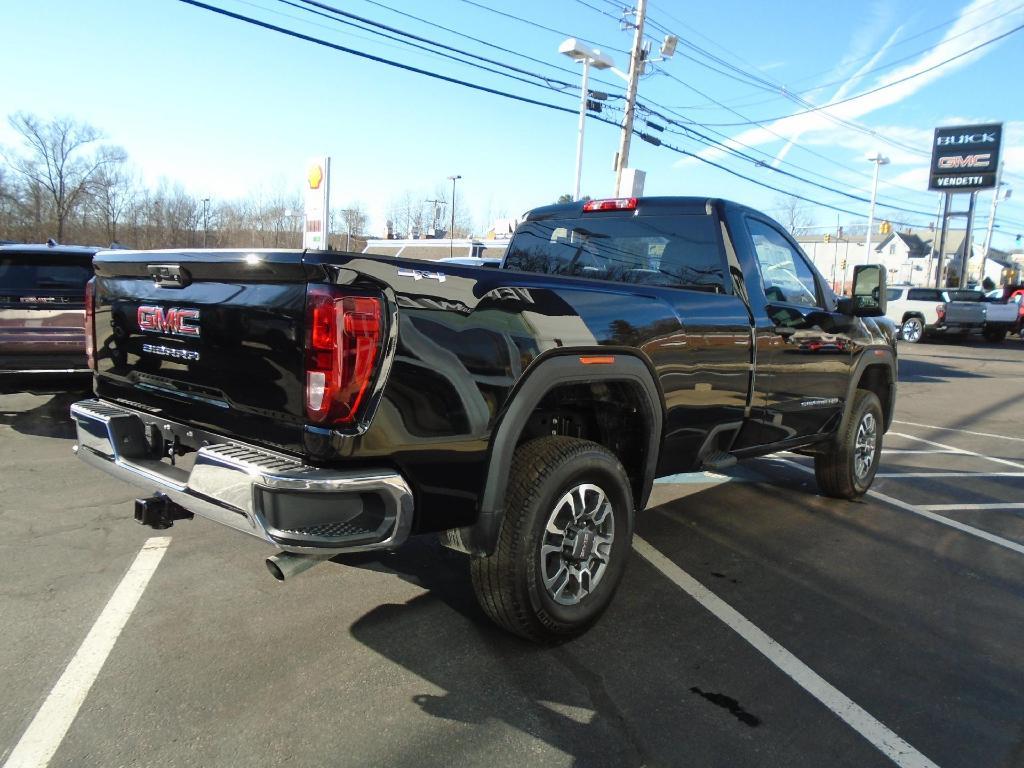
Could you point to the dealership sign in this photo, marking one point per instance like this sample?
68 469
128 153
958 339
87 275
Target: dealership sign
965 158
317 204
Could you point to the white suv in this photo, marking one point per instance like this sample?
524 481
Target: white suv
920 311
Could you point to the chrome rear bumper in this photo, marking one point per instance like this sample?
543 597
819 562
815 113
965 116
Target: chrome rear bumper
294 506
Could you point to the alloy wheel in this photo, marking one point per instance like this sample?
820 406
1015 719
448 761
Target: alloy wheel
576 545
864 446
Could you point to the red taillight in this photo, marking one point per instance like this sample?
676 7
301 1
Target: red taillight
613 204
90 323
940 310
342 346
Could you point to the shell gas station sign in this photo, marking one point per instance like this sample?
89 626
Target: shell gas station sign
317 203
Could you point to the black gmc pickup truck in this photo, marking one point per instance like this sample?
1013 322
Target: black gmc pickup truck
335 402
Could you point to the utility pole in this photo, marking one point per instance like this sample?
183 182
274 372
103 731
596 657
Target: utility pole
991 220
636 68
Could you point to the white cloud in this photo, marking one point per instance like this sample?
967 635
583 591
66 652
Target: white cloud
820 120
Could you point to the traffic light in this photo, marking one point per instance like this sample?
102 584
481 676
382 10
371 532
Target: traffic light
828 238
885 228
843 264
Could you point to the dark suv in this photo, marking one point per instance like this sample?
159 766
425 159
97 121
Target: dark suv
42 308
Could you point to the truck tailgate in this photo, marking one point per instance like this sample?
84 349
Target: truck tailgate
965 313
212 339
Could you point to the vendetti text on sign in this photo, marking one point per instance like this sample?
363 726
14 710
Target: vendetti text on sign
965 157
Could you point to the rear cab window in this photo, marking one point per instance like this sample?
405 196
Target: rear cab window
924 294
678 251
50 274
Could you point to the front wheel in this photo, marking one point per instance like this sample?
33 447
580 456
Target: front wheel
912 330
848 468
564 541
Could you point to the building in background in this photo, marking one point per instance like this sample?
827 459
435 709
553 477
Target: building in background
907 255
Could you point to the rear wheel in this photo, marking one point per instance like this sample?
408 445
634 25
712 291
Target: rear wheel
848 468
912 330
564 541
995 335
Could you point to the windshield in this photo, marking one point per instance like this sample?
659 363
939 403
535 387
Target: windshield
677 251
21 272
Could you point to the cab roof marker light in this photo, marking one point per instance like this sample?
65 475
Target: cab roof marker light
611 204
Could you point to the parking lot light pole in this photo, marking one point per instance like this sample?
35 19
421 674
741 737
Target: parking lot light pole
578 51
451 231
879 160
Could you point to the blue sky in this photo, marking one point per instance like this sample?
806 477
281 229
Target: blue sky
227 109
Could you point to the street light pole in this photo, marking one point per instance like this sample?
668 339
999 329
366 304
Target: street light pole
579 51
451 231
879 160
583 125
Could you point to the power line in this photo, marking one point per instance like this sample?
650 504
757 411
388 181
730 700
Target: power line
816 108
712 142
783 91
375 27
539 26
498 92
890 64
378 59
480 41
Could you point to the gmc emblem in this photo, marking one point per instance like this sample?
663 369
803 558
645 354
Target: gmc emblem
983 160
175 321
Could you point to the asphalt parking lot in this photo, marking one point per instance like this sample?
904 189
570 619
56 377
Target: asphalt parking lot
758 624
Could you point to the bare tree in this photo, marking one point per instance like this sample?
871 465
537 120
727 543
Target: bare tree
794 214
58 160
112 196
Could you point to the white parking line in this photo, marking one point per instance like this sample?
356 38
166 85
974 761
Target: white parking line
950 474
969 529
51 723
881 737
954 507
961 451
962 431
915 450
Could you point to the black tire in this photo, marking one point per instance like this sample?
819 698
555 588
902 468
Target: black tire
995 335
509 584
912 330
837 470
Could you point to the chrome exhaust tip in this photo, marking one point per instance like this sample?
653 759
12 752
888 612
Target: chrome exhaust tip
285 565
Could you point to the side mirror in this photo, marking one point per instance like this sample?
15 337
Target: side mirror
869 290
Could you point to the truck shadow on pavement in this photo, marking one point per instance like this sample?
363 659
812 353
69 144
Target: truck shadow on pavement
916 370
487 676
52 418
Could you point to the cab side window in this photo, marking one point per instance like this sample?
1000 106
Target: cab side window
924 294
786 276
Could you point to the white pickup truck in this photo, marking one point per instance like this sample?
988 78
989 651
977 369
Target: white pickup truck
918 312
1001 316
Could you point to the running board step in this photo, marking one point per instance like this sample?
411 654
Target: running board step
718 460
